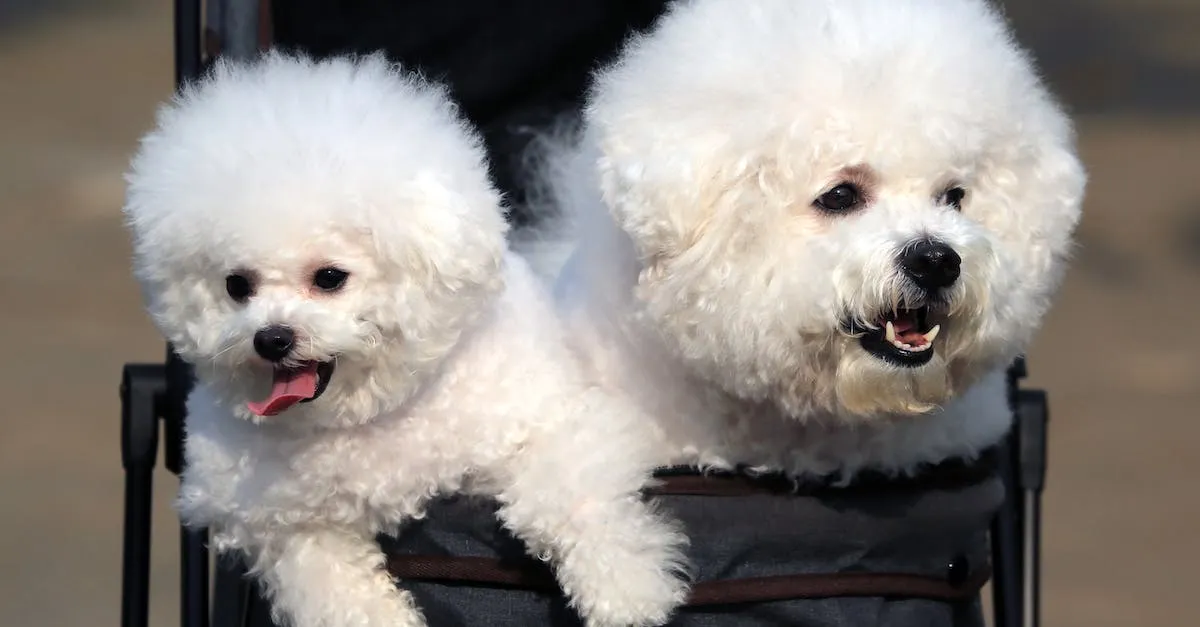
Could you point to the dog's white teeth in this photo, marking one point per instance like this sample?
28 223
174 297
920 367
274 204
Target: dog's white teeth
909 347
890 334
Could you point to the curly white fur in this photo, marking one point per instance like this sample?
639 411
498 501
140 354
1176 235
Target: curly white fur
707 284
451 374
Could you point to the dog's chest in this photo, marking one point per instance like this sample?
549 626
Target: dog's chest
381 471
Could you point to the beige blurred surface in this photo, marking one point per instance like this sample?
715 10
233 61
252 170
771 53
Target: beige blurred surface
1120 355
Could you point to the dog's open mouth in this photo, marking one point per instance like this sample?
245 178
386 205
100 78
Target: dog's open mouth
300 384
903 338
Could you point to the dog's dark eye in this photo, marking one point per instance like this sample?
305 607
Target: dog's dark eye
842 198
954 197
239 287
330 279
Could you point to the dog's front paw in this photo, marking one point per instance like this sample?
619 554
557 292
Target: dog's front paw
635 595
640 585
397 610
345 597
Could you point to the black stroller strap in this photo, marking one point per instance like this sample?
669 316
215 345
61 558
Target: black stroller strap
494 572
947 475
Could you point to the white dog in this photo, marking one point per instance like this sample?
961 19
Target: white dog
321 241
812 233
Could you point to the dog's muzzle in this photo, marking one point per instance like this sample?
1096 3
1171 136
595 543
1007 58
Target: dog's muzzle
290 384
904 337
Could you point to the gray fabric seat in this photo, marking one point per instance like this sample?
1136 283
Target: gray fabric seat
890 553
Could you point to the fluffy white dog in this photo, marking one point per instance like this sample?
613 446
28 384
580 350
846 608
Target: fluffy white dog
321 241
812 233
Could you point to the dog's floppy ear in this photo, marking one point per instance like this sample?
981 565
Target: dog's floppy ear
1029 195
1032 190
670 206
451 233
443 251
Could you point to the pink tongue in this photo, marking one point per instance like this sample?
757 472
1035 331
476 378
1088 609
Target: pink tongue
290 387
903 325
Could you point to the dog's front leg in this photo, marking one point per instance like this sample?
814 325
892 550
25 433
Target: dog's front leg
333 578
575 502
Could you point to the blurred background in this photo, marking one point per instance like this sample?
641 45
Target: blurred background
1120 355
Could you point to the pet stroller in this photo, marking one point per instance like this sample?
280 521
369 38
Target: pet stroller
880 551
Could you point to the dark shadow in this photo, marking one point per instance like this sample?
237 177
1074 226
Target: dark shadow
1187 235
1101 57
17 15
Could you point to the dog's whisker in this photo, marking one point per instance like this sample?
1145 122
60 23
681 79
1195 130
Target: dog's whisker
228 347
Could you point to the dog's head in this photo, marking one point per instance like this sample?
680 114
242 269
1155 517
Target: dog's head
313 236
840 206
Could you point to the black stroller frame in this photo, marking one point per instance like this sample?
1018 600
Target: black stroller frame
153 402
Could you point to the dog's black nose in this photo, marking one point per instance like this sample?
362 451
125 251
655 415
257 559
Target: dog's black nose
930 264
273 343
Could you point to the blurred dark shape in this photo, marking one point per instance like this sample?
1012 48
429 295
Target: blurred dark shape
513 65
1105 58
19 14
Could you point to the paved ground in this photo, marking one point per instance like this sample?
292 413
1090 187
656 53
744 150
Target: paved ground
1120 354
